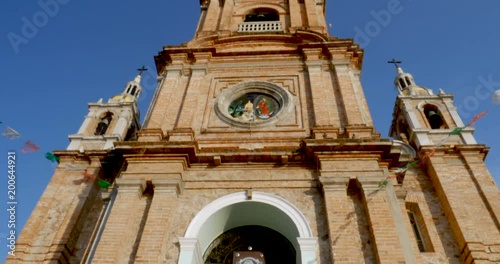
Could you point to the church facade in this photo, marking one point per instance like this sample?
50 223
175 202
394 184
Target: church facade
259 147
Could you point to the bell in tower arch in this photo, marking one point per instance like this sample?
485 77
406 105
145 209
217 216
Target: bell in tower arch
434 118
103 124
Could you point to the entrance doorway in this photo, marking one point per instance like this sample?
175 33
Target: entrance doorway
275 248
233 213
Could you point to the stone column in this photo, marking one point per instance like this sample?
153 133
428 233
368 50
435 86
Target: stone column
156 242
121 231
387 224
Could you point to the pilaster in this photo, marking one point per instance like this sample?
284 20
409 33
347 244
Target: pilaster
190 252
196 93
124 122
296 15
121 232
308 250
348 93
359 94
389 233
323 114
86 123
156 238
343 231
165 111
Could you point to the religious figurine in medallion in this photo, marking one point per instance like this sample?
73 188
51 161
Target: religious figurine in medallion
249 110
264 109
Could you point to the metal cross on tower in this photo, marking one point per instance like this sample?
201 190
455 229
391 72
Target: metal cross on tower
141 70
395 62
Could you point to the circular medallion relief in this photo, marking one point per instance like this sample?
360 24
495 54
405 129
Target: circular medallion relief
252 104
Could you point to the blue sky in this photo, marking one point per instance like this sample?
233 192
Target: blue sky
78 51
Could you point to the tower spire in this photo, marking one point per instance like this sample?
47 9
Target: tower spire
404 81
132 90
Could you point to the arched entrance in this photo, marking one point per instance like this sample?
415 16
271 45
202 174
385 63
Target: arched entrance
236 210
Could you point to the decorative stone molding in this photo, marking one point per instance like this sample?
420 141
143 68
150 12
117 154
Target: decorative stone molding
150 134
131 185
334 184
168 185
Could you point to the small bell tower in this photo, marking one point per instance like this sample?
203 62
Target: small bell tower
111 121
422 118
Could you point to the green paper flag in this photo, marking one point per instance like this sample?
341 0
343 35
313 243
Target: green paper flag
383 183
104 184
50 156
456 131
411 164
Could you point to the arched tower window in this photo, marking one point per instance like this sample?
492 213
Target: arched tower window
133 90
103 124
404 80
433 116
402 83
408 81
262 14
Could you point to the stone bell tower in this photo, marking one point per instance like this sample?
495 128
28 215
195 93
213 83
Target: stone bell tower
453 164
259 146
111 121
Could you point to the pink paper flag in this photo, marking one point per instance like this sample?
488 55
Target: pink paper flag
476 117
29 147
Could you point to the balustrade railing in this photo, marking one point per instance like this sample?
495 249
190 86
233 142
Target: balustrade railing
266 26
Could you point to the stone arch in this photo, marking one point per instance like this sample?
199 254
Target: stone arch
242 10
246 8
218 216
427 107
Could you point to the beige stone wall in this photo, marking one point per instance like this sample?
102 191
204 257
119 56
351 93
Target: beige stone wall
420 191
53 231
470 202
324 94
